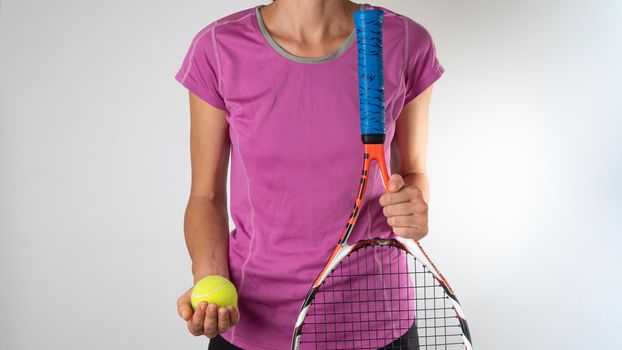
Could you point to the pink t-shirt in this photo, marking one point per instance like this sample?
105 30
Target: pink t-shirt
296 155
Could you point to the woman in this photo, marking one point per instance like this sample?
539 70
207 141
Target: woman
275 86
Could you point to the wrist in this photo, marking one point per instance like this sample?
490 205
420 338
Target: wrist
201 270
420 180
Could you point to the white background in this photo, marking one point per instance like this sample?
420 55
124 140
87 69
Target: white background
525 163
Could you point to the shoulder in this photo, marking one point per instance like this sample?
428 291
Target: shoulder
405 28
232 25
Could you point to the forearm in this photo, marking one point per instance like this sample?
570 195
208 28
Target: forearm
206 229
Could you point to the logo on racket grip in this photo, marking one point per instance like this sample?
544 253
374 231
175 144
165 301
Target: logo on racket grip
368 76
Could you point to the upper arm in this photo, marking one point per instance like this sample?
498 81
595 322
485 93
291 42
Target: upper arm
200 69
410 143
209 149
209 137
422 67
422 70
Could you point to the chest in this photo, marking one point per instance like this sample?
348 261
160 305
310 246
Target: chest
288 112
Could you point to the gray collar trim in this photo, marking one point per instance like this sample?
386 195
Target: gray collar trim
264 31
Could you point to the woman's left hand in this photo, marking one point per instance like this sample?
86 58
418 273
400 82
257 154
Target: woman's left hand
405 209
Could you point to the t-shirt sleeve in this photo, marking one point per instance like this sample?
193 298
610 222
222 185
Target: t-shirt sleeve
422 65
200 68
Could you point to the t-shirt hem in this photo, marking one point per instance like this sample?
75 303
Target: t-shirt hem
247 344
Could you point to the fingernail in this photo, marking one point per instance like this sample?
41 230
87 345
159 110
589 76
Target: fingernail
393 186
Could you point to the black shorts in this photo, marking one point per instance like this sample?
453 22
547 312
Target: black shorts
408 341
219 343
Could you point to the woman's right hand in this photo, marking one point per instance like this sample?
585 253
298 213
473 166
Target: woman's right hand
208 320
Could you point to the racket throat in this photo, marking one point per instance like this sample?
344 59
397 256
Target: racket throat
371 152
375 151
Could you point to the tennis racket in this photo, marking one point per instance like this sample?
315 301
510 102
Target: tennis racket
380 293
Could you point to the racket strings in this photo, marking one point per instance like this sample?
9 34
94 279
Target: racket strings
381 297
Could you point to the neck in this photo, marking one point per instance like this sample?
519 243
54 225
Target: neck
310 20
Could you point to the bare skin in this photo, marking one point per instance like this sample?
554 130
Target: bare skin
206 223
406 205
309 28
306 29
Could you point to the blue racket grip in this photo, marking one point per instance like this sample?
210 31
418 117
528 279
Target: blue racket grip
371 74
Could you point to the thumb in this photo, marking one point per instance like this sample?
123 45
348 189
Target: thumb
396 182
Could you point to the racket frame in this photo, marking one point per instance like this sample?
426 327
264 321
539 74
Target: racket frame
375 152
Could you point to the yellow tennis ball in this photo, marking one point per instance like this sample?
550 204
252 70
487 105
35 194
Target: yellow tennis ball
214 289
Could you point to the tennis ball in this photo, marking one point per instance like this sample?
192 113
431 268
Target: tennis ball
214 289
